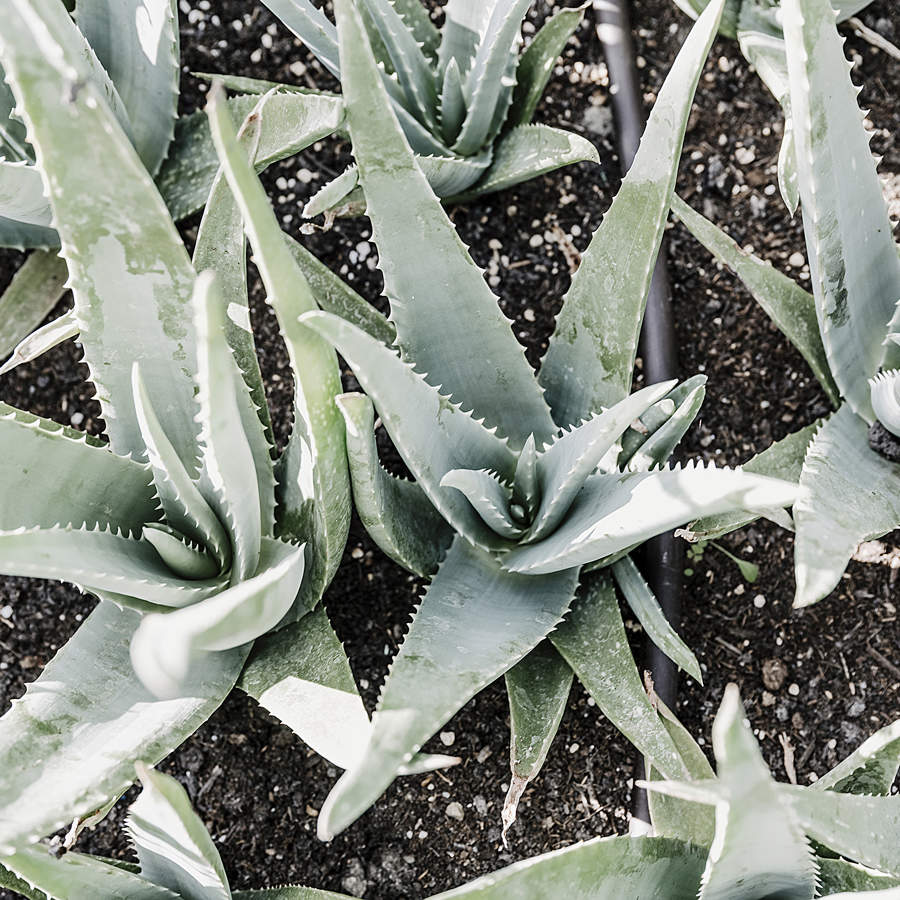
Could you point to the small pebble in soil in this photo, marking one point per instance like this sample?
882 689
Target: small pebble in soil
794 690
447 738
455 811
774 673
759 601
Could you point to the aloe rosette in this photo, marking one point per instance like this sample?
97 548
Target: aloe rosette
463 94
759 29
521 482
198 538
847 329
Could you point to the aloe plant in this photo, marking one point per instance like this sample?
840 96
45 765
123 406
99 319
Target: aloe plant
758 27
522 482
176 858
464 95
196 536
847 467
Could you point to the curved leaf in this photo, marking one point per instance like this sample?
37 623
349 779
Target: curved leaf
489 497
22 193
37 286
475 622
870 769
848 880
312 27
886 399
41 340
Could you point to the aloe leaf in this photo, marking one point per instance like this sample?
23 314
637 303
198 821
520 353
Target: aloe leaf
167 645
790 307
489 497
538 689
864 829
592 641
565 465
21 236
672 816
78 483
312 27
22 193
441 289
18 886
848 494
870 769
301 675
94 198
53 771
885 399
464 23
334 295
332 199
174 849
853 260
526 152
288 892
183 556
225 453
590 357
76 876
838 877
431 434
618 510
783 459
417 19
656 447
474 623
647 610
41 340
489 82
137 44
620 866
453 102
412 67
316 452
293 120
537 62
396 513
243 84
759 849
35 289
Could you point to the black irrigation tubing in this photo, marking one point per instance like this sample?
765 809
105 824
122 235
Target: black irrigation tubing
662 560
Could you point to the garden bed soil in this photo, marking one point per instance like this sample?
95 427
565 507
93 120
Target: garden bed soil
815 682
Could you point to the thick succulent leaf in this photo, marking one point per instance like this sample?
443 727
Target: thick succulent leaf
53 475
22 194
334 295
488 84
315 468
418 20
183 505
838 877
674 817
288 892
615 511
99 560
759 849
396 513
431 434
527 152
70 744
293 120
863 829
411 65
790 307
173 847
537 62
592 641
35 289
312 27
853 260
474 623
19 886
489 497
45 338
848 493
591 353
783 459
647 610
334 197
885 399
76 876
574 455
95 199
21 236
464 23
432 282
870 769
227 472
626 867
655 448
166 646
137 43
182 555
452 102
538 688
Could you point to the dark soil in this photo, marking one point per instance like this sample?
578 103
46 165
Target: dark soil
819 680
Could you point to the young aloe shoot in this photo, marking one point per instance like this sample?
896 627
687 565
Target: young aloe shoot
522 481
